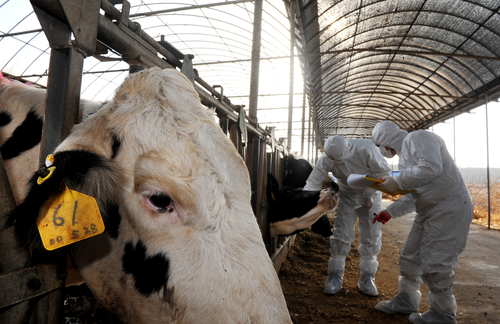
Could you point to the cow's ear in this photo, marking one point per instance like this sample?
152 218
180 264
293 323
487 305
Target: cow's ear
83 171
272 189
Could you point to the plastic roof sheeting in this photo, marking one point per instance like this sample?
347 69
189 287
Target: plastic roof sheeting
414 62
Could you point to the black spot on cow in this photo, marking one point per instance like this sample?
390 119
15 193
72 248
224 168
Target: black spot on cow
116 146
112 219
5 118
149 272
24 137
322 226
287 203
71 168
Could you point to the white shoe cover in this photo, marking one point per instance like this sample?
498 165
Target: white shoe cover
433 317
401 303
367 285
333 283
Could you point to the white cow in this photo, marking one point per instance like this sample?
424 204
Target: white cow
181 243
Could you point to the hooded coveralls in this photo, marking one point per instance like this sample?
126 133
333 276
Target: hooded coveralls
343 157
441 226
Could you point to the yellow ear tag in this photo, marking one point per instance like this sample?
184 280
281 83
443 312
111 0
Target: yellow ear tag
69 218
48 164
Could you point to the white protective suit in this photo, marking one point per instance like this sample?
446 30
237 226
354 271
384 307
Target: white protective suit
439 233
343 157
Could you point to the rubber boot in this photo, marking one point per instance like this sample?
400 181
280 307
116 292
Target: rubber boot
406 301
333 282
366 284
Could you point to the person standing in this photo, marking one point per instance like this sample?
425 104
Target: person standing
440 229
343 157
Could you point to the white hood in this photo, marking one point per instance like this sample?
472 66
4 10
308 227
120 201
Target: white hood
386 133
338 148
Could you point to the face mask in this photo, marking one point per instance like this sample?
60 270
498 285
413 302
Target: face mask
385 153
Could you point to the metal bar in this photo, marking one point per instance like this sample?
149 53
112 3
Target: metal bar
110 10
377 106
410 94
396 52
309 135
291 18
252 162
454 149
244 60
488 162
222 109
21 33
131 47
254 73
24 284
209 5
63 98
303 120
12 257
261 203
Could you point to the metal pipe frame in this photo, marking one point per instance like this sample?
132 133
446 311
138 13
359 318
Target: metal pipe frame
488 162
291 17
254 73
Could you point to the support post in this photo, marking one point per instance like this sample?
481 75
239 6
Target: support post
303 120
253 141
254 73
292 61
488 163
309 153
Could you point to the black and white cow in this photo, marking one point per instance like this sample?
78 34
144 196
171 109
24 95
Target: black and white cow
181 244
21 119
292 210
298 170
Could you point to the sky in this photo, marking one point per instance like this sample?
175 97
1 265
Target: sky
468 146
467 143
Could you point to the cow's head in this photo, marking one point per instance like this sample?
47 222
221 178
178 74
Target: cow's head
298 170
288 204
182 242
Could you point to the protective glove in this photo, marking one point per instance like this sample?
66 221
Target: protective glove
389 184
382 217
368 201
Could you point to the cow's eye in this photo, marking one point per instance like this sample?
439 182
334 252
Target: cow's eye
162 202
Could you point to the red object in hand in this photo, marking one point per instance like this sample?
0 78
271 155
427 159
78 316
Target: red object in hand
382 217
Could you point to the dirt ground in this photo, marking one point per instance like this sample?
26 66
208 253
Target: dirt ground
302 278
303 273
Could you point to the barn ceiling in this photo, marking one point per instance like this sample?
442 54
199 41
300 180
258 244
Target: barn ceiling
414 62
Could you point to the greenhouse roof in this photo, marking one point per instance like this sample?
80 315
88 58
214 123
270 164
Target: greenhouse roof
414 62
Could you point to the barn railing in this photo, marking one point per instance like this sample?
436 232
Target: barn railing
31 292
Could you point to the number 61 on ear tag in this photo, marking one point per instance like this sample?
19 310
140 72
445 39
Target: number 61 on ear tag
69 218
